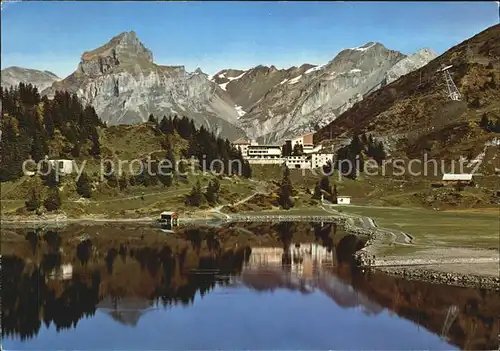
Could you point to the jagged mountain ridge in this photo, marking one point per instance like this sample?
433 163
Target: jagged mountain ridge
415 113
124 85
122 82
12 76
276 103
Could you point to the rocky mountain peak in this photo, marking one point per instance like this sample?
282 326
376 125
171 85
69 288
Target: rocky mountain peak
123 49
12 76
369 57
425 53
409 64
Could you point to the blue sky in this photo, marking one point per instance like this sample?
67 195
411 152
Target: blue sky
217 35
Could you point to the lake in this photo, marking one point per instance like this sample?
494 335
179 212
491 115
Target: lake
83 288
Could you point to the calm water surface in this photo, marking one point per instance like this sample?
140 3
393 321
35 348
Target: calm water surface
286 298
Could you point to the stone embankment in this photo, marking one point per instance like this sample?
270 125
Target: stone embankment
287 218
455 278
409 269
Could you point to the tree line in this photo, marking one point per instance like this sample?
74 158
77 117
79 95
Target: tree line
355 153
29 122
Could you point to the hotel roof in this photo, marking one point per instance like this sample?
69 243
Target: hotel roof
241 141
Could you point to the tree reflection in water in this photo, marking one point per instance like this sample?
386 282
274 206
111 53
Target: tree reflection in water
110 276
30 293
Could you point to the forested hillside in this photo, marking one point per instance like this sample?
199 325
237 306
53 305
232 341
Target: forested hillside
31 125
34 126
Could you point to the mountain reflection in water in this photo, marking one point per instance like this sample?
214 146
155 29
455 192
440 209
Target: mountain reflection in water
304 296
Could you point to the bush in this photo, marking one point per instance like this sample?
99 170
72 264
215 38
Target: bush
195 197
34 201
53 201
122 182
83 186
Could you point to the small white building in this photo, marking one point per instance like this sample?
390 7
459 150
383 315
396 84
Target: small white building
242 144
62 166
463 177
457 179
64 272
343 200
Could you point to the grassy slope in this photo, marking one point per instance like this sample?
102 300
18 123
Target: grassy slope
126 143
458 228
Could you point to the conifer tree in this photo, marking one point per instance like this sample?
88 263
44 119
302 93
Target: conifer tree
212 193
334 194
325 184
122 182
166 171
317 192
484 122
51 179
53 200
181 169
83 187
297 150
152 119
34 201
285 191
195 197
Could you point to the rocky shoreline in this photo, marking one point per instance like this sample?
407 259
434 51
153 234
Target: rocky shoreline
457 279
366 259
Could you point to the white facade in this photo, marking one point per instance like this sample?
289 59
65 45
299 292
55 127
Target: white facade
309 149
343 200
305 139
62 166
272 154
298 162
243 148
242 144
264 150
264 155
319 160
265 161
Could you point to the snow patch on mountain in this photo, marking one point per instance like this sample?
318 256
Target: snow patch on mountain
240 111
314 69
364 47
295 80
238 77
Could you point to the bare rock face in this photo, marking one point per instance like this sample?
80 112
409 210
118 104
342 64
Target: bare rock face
413 114
122 82
12 76
123 49
124 85
410 64
276 104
